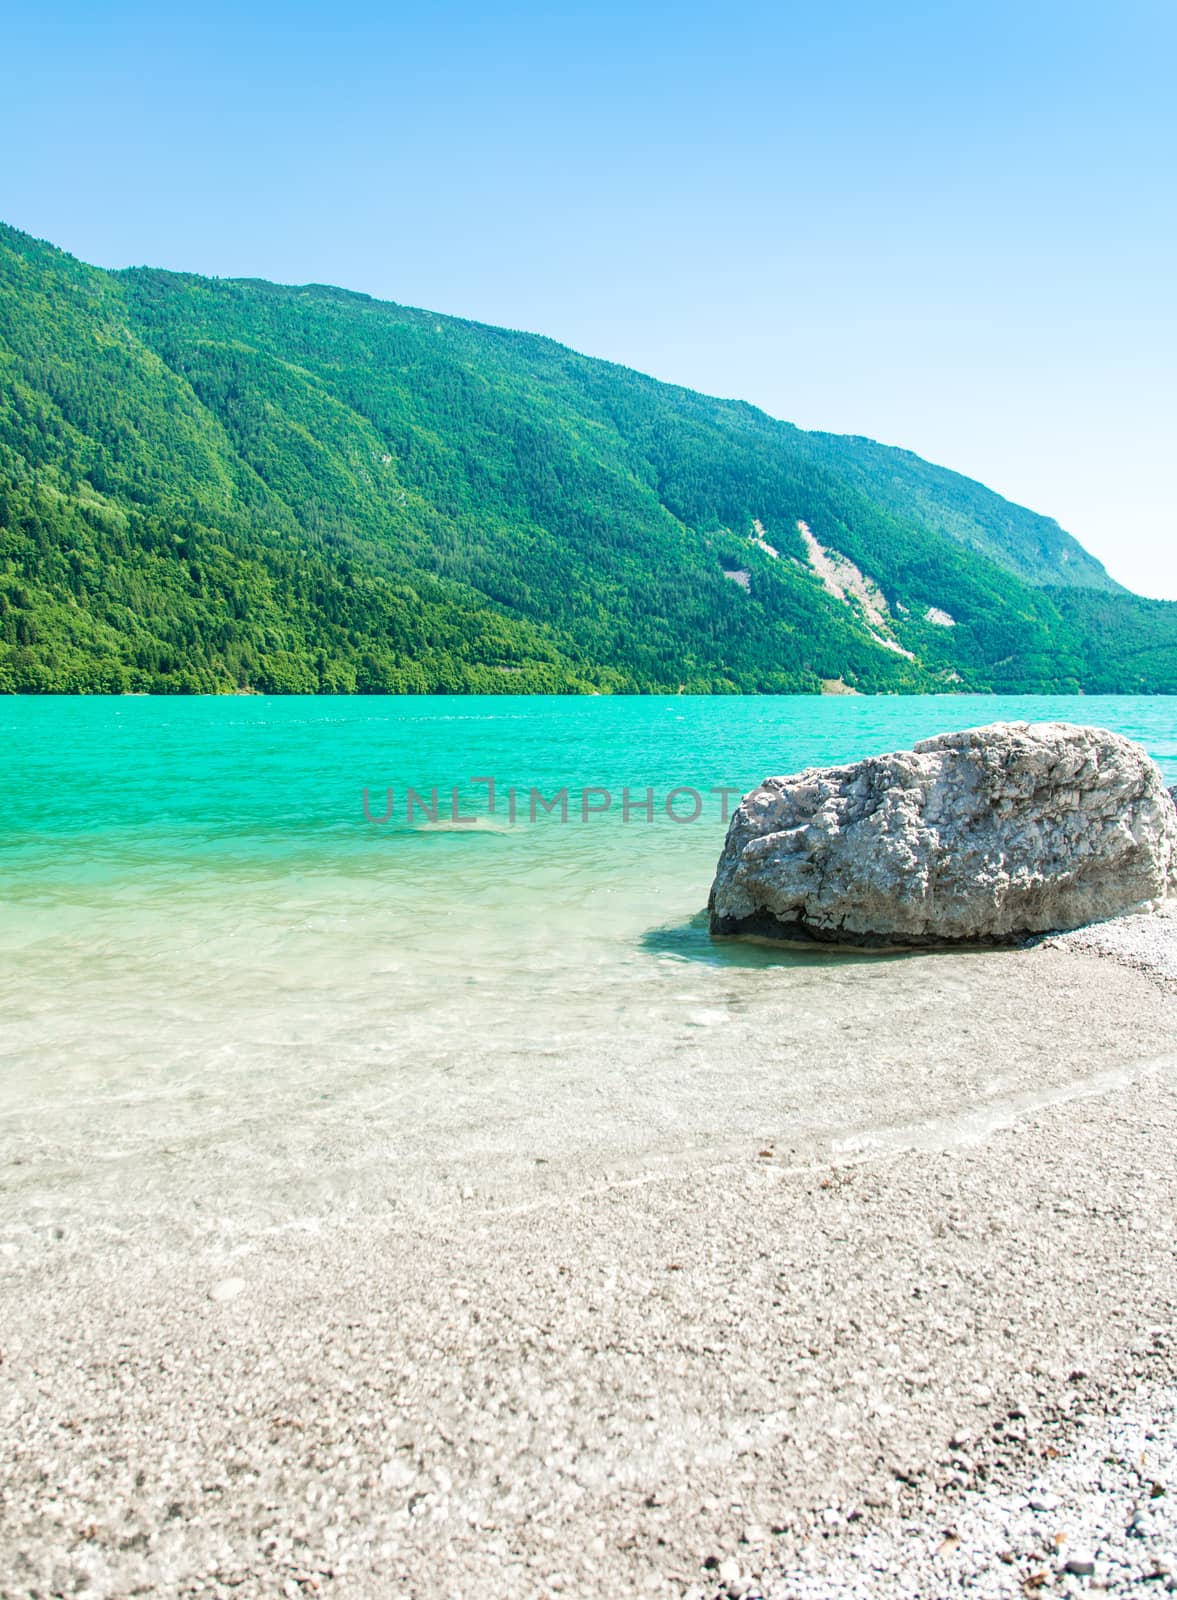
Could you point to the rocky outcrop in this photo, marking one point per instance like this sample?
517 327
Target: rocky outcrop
985 836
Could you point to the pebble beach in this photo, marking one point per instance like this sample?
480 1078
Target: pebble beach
909 1370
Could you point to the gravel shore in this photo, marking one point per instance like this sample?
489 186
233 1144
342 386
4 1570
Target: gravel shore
910 1371
1149 944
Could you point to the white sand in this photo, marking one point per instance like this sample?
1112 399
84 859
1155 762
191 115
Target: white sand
756 1376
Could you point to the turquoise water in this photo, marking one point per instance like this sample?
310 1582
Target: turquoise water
128 784
223 988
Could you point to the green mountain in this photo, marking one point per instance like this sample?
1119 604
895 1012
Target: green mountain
208 485
1034 547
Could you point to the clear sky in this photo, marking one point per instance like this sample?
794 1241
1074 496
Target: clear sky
950 227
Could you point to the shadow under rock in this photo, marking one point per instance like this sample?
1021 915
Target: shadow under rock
692 941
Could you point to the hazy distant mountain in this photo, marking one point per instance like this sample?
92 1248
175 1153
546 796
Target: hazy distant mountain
1034 547
210 484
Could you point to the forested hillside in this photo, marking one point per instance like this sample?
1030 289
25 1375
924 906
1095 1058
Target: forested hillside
209 485
1034 547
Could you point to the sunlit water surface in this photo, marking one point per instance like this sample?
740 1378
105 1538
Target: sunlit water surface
229 1001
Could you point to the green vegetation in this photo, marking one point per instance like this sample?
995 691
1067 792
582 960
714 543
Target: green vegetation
1033 547
210 485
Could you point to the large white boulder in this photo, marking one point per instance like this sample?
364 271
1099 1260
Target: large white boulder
988 835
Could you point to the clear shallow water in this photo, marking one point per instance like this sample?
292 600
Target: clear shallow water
229 1001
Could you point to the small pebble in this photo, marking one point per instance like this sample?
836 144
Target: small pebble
227 1289
1081 1566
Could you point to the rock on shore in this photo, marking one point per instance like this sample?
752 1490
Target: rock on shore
990 835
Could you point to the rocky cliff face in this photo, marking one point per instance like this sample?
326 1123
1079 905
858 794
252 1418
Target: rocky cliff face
989 835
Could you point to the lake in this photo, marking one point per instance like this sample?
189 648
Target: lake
233 1001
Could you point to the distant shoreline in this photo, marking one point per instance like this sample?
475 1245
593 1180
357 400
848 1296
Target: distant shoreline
586 694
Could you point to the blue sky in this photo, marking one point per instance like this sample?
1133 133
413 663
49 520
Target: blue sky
948 227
